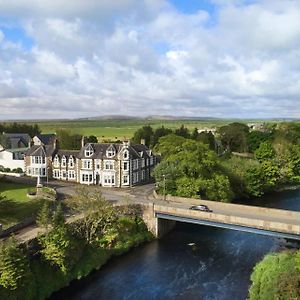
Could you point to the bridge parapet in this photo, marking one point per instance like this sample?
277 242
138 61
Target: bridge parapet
275 224
246 208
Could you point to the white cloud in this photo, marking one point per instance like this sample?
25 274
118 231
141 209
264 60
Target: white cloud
145 57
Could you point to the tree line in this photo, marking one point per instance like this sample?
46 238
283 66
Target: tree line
32 130
190 166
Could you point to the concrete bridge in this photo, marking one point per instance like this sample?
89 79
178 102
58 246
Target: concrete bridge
161 217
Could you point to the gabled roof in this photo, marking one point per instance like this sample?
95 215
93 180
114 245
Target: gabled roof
41 150
46 139
135 151
14 139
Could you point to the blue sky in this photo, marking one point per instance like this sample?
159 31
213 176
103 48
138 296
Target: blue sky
219 58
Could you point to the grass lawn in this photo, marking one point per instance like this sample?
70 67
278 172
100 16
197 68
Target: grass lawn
120 129
17 206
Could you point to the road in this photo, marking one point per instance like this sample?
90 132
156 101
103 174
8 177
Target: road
144 194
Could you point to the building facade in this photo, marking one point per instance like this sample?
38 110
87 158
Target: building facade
111 165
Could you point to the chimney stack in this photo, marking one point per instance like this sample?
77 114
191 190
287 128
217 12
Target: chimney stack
82 141
143 141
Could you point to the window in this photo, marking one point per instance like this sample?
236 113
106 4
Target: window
98 164
125 154
87 164
125 179
71 174
89 151
143 175
109 165
87 178
125 165
63 161
38 160
71 162
109 179
151 161
64 174
56 173
110 152
56 161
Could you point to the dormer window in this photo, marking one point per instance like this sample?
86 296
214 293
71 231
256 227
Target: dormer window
125 154
89 151
110 152
71 162
56 161
63 161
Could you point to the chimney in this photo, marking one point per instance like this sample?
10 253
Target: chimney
143 142
54 143
82 141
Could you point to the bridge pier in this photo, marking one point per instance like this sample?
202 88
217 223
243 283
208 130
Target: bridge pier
158 227
164 226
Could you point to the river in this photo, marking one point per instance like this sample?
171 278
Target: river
191 262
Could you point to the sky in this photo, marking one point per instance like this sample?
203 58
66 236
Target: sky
196 58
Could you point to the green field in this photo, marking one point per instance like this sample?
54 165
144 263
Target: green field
17 205
120 129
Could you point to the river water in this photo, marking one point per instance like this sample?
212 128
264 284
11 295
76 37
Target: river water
191 262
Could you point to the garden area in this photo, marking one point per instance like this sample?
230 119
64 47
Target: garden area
15 205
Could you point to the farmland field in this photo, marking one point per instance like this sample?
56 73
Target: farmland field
120 128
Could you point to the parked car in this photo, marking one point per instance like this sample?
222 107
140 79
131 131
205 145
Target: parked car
201 207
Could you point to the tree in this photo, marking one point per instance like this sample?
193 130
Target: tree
57 248
190 169
264 152
207 138
144 133
44 217
255 138
195 134
234 136
158 133
58 218
98 215
92 139
67 140
14 265
182 131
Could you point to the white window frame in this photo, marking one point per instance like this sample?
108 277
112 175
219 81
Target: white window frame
89 151
111 152
109 165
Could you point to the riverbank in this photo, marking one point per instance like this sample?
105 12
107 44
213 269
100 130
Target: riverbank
45 279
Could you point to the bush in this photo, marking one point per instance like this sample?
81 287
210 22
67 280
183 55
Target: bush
275 277
18 170
31 191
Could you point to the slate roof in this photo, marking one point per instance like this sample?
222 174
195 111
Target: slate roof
100 151
41 150
67 153
16 138
46 139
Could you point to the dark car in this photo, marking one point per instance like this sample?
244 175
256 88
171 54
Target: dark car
201 207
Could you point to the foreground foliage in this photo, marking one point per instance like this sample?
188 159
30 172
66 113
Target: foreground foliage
276 277
68 251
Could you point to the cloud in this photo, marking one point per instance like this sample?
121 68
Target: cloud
146 57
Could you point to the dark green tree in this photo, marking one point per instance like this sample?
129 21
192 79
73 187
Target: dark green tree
69 141
265 151
92 139
158 133
144 133
44 217
234 137
182 131
14 265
